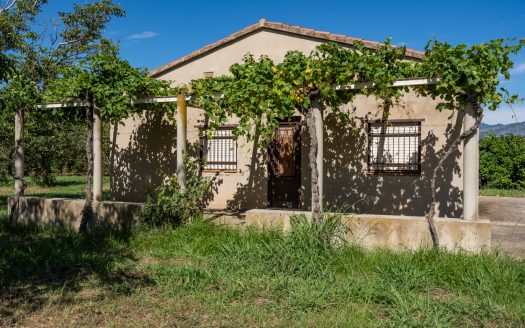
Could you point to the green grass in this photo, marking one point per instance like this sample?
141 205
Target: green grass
207 275
502 192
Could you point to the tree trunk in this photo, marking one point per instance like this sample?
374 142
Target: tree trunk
455 144
87 212
314 146
20 184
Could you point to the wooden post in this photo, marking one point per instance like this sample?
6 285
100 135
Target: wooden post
97 156
19 152
181 138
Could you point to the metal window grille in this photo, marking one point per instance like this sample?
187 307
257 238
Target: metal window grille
394 147
219 150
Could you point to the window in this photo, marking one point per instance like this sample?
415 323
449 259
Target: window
394 146
219 150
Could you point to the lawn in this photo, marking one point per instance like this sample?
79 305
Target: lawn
206 275
502 192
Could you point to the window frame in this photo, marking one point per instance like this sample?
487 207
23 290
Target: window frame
203 140
394 122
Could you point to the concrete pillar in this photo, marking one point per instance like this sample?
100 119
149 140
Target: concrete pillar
97 156
19 151
181 138
470 167
319 132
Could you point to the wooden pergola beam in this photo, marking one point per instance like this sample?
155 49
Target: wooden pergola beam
173 99
396 84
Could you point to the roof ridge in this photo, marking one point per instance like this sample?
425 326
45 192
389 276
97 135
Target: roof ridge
277 26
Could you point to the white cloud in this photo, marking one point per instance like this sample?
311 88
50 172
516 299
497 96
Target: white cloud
142 35
520 69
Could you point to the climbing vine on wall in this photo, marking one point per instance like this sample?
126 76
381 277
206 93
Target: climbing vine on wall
261 93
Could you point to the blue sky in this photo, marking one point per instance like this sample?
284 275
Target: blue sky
156 32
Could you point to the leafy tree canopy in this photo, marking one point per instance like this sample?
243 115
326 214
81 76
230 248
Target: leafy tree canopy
470 73
108 81
39 53
502 162
15 19
261 92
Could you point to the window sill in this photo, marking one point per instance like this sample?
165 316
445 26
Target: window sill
415 173
221 171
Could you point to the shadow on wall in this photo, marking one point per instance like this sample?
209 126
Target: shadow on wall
137 167
349 186
253 193
151 150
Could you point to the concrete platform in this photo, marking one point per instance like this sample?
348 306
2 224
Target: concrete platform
395 232
66 213
501 228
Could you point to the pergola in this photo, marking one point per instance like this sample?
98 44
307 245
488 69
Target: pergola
470 145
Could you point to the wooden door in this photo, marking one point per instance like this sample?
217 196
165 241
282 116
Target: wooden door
284 184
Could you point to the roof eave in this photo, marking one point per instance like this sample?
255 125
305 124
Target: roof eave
280 27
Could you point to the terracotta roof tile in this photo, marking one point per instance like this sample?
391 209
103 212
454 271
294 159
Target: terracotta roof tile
276 26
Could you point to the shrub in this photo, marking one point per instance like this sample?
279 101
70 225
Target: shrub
170 205
502 162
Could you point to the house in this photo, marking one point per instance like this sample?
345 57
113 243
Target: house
375 165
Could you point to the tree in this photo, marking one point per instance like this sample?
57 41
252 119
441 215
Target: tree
36 58
468 76
106 84
15 19
260 93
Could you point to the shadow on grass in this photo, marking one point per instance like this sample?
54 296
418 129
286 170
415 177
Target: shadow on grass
34 263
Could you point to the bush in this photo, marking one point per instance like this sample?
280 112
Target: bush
502 162
170 205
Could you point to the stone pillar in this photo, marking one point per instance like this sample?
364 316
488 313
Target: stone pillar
97 156
19 151
319 132
181 138
470 167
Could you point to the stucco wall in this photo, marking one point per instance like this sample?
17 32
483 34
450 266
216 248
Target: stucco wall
145 144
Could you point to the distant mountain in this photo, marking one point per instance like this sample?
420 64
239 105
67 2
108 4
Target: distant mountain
502 129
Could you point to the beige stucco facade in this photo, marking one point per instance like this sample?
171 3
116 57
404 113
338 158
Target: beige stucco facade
145 144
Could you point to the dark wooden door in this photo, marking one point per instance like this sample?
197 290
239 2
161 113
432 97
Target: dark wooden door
284 184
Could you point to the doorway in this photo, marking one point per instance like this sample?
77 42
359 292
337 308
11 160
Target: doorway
284 166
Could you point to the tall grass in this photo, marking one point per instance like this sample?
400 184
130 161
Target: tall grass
202 274
317 283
